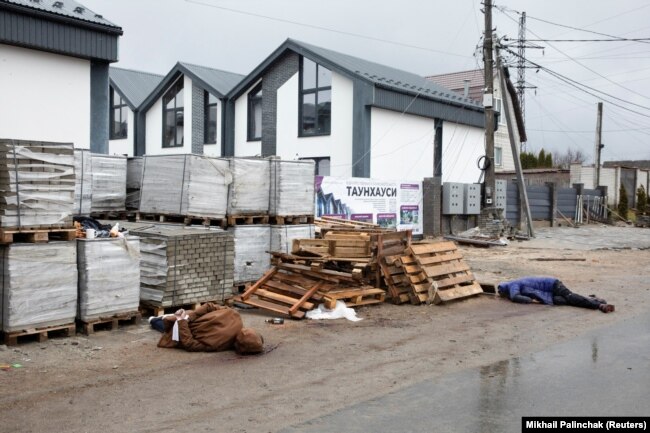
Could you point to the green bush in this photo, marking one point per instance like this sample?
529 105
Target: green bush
622 202
641 200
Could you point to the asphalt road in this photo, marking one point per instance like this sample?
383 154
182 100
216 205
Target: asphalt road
602 373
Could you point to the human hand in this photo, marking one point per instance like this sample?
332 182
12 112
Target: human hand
181 314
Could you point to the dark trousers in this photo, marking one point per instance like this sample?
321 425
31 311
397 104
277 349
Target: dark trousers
564 296
157 324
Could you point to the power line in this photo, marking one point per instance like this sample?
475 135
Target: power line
583 40
577 62
327 29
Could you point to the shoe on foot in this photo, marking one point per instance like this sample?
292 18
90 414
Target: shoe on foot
606 308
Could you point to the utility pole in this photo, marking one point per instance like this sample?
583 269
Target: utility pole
599 144
521 72
488 103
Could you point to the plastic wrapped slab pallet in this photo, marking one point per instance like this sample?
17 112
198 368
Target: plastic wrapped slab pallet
39 287
252 243
187 185
37 184
182 265
248 193
109 276
291 188
133 181
83 185
109 183
282 236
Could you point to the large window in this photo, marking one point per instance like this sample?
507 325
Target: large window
322 165
173 116
255 113
119 115
210 114
498 157
315 99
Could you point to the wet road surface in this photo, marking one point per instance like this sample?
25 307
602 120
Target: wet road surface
602 373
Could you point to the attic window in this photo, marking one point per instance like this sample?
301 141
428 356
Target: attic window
35 1
57 5
98 16
79 10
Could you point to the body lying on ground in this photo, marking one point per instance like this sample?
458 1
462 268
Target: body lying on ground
549 291
209 328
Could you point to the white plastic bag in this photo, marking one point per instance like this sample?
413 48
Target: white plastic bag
339 311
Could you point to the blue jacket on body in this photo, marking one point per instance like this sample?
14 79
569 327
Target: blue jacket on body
525 290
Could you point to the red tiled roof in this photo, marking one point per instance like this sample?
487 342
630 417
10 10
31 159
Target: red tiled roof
456 81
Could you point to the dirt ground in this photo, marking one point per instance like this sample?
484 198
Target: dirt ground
117 381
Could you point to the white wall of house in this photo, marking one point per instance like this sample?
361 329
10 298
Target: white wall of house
462 146
501 136
154 124
45 96
401 145
243 147
123 146
337 146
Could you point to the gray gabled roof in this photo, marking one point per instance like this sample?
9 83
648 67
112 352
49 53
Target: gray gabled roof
134 86
64 8
216 81
379 75
221 81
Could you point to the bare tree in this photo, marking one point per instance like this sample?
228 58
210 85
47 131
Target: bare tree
571 156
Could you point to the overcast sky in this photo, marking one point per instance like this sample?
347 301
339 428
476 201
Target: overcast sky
424 37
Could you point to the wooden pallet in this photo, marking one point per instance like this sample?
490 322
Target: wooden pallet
8 236
390 247
182 219
291 219
115 215
41 334
238 220
110 322
148 309
344 246
438 273
355 297
284 292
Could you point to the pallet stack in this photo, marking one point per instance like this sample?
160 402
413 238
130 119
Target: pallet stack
133 182
37 184
109 281
108 183
184 265
39 289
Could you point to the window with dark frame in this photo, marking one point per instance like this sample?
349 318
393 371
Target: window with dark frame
118 116
173 113
210 118
322 164
315 99
255 113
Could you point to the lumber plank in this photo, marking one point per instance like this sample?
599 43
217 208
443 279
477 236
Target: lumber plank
277 297
437 247
302 302
451 268
457 292
452 281
267 276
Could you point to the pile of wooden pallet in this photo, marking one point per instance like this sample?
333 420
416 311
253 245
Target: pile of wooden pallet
428 272
291 289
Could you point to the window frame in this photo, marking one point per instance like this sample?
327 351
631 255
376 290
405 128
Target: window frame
175 88
206 117
315 91
253 97
498 162
123 134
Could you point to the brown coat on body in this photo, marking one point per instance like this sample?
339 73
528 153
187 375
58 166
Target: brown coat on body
211 328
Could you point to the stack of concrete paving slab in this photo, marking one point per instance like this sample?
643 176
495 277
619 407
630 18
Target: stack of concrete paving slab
109 183
133 182
252 243
282 236
109 276
39 287
83 189
37 184
249 191
182 265
187 185
291 188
